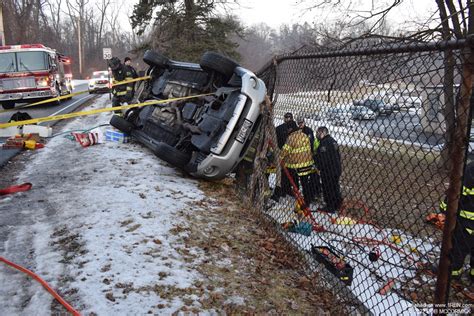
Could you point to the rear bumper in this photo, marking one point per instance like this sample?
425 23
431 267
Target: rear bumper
18 96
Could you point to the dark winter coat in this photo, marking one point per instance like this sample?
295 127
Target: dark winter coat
281 134
328 158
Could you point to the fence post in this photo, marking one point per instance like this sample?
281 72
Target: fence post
455 180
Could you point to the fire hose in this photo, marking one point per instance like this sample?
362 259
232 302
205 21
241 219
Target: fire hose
44 284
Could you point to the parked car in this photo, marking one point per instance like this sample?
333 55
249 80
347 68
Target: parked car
359 112
335 113
100 82
207 136
376 105
406 101
338 116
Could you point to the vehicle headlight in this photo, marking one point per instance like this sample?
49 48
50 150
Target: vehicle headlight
42 82
91 83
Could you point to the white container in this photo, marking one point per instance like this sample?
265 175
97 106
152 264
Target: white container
43 131
10 131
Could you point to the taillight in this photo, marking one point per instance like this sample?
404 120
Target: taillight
42 82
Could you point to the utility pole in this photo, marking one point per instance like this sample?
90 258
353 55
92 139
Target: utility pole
79 41
2 33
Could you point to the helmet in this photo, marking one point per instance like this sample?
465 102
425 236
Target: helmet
114 63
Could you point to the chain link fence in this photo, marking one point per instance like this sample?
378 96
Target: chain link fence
399 118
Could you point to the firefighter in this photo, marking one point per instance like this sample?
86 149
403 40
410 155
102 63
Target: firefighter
128 62
314 178
463 236
121 93
298 158
328 161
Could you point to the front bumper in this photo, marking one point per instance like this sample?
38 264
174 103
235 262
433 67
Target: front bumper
217 164
17 96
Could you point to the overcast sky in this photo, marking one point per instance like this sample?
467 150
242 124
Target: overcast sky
275 13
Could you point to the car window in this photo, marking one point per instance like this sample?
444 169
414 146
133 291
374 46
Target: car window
7 62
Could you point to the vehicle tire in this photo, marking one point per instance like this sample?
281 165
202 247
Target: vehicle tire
155 59
211 61
121 124
8 105
171 155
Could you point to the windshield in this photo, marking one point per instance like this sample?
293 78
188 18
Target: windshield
23 61
7 62
29 61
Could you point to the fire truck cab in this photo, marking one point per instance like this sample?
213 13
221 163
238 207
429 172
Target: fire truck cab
33 72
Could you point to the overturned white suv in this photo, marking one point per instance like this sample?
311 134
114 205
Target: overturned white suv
206 136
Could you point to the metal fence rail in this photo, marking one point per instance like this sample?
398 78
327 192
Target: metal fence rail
400 114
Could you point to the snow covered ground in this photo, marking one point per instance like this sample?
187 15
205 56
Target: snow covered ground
122 235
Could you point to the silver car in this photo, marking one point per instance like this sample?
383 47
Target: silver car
206 136
362 113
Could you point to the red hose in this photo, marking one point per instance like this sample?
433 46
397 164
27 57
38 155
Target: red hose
44 284
16 188
300 200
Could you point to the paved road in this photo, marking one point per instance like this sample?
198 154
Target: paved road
42 111
404 126
401 126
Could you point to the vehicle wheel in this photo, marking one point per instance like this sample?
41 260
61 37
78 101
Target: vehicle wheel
121 124
171 155
211 61
8 105
155 59
132 114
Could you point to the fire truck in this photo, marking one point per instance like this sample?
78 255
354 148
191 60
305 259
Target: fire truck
33 72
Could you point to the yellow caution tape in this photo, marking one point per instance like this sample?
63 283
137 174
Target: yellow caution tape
131 80
92 112
45 101
55 98
70 95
